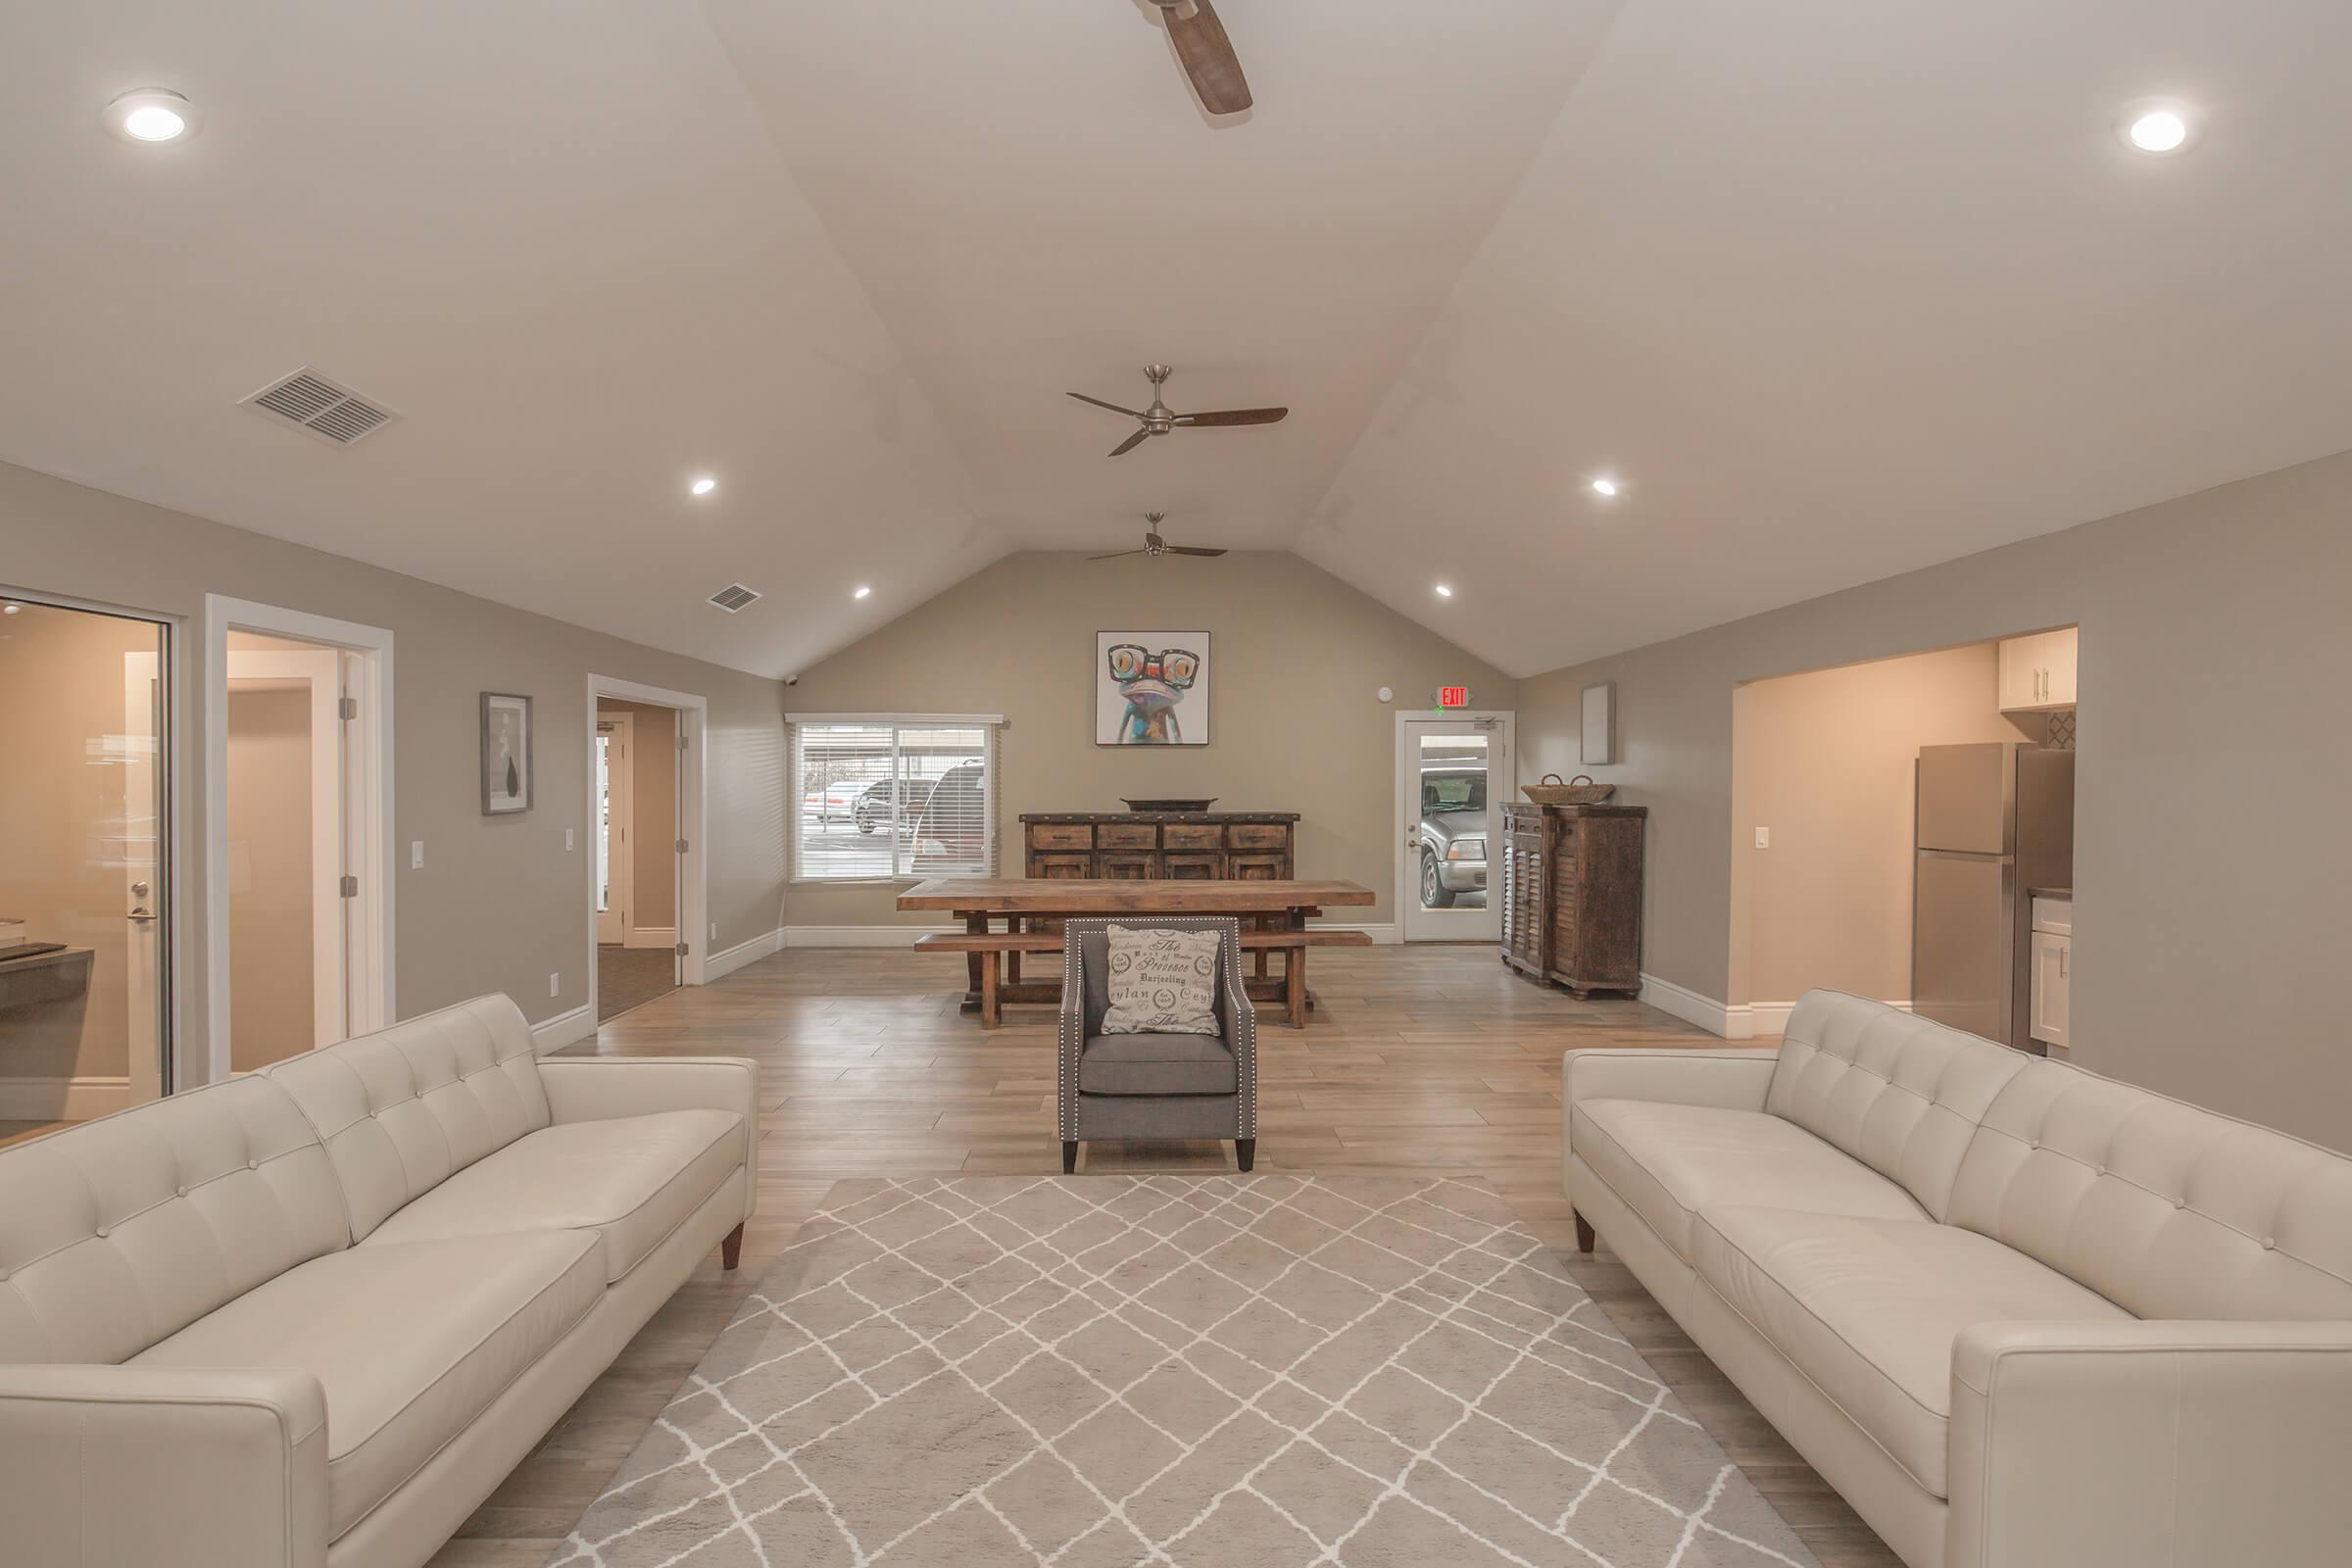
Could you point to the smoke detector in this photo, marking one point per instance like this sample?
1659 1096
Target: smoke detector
319 407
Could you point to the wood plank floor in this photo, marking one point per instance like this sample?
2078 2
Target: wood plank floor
1418 1059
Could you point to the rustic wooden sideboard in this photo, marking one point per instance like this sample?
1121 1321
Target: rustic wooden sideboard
1145 846
1570 894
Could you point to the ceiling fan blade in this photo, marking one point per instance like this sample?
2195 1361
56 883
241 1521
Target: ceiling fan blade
1192 550
1234 416
1116 555
1132 413
1130 444
1208 58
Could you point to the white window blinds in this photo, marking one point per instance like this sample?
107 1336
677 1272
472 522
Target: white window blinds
894 798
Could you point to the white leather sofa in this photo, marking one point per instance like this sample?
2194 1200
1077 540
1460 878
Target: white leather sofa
2019 1315
312 1317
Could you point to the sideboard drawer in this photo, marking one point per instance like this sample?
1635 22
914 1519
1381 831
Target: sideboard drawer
1126 836
1257 836
1063 865
1191 836
1062 836
1192 865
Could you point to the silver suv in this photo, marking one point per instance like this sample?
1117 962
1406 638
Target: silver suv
1452 836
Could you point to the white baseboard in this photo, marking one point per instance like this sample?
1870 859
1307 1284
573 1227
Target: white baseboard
857 936
1691 1007
1772 1018
730 960
80 1098
562 1029
652 936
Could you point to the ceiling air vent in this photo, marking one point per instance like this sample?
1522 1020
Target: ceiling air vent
319 408
733 597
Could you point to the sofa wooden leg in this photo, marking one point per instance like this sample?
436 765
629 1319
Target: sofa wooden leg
730 1250
1069 1156
1244 1151
1584 1233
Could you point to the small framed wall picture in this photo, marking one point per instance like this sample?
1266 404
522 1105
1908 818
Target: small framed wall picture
1598 732
506 753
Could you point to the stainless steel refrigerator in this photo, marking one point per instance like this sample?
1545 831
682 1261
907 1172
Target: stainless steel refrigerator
1994 820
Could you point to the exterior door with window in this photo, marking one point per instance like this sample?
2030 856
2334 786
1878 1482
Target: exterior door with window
615 858
1452 774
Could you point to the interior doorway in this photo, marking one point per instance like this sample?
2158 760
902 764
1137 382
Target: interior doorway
1452 775
638 880
298 796
85 901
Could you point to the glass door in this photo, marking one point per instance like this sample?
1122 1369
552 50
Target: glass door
84 929
615 858
1452 772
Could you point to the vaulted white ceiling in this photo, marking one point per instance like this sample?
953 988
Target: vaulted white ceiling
1835 290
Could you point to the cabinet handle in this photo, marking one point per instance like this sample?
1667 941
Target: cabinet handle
2062 964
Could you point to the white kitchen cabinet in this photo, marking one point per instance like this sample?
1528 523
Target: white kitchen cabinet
2054 982
2037 672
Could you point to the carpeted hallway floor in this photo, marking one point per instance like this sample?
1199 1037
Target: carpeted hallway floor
631 977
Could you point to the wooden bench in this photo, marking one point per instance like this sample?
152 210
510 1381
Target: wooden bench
989 949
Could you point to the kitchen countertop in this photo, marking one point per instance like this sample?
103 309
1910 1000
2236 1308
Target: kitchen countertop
2049 892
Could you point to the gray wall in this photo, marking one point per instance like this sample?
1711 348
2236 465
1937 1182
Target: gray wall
1296 665
2212 841
500 903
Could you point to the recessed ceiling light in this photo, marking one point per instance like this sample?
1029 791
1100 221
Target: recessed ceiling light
861 592
1604 487
151 114
2159 130
9 610
1444 592
702 486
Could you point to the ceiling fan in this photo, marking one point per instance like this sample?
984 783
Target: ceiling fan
1155 545
1208 54
1159 419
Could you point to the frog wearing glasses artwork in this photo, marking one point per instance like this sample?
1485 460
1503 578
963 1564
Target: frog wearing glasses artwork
1153 684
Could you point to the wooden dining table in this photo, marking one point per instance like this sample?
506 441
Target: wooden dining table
1004 918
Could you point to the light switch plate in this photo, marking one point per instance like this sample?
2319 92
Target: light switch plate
1763 838
417 855
567 840
554 983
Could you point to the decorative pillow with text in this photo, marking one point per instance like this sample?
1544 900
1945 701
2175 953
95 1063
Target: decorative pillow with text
1162 982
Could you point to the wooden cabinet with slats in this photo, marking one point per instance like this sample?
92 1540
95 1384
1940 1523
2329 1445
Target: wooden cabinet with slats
1187 846
1570 890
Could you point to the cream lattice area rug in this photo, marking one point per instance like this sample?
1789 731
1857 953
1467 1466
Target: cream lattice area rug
1202 1372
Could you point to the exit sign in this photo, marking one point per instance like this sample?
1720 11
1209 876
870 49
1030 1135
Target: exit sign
1453 697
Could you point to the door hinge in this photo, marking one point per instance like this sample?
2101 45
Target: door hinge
681 742
347 708
681 949
351 887
681 845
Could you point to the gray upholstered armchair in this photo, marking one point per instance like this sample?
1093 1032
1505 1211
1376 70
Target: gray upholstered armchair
1154 1085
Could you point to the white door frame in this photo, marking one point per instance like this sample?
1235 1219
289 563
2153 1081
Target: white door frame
1502 764
368 802
620 789
694 888
321 672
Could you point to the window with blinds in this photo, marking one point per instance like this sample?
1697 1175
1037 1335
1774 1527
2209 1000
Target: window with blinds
882 797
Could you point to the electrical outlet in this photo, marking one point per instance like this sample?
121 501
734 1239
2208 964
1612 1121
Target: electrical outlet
555 983
417 855
1763 838
568 841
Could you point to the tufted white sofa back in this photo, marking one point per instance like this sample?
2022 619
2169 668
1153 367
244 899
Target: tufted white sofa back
123 1231
404 1109
1898 1093
2167 1211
